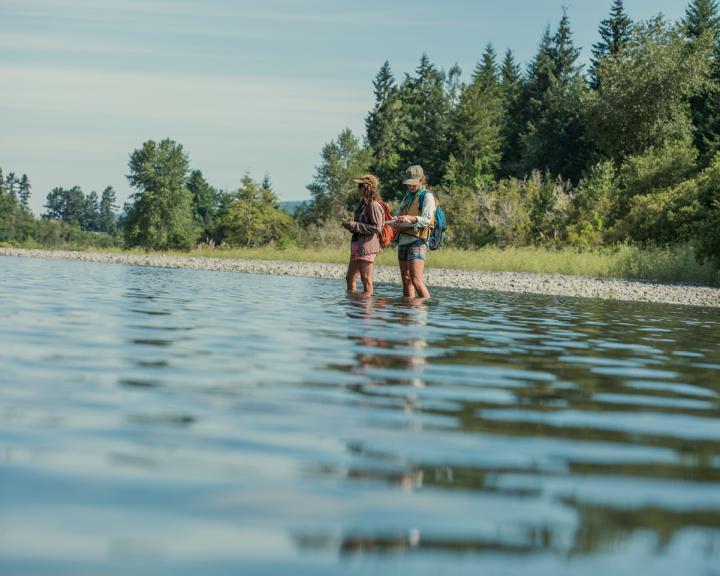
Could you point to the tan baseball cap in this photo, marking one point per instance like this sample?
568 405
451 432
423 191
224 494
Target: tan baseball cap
367 179
413 175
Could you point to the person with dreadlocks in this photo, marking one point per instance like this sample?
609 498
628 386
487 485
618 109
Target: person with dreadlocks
366 227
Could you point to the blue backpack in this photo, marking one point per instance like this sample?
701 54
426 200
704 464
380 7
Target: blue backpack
437 234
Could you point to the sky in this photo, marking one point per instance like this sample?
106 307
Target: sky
246 86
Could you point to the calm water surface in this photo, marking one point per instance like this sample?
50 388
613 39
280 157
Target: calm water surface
187 422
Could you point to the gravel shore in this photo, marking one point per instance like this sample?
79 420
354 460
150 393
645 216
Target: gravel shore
551 284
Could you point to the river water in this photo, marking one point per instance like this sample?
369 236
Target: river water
157 421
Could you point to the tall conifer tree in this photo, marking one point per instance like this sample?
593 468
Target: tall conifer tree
477 131
24 191
428 119
554 139
511 89
11 184
702 24
107 211
386 129
614 33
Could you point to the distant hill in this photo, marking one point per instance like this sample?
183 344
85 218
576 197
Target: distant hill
291 206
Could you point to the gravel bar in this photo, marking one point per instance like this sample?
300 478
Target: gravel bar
519 282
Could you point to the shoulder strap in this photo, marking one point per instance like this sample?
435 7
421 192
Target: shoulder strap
404 203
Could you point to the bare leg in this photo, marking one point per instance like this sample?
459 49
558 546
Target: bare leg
416 268
408 288
353 273
366 275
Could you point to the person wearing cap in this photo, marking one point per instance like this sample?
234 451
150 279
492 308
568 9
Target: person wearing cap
414 225
366 227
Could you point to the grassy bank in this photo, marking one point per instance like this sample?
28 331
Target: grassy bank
675 264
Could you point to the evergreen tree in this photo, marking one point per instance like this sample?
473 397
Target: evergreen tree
477 131
91 221
203 201
428 118
702 24
24 191
701 17
108 222
511 89
564 55
161 214
8 212
555 136
614 33
454 86
65 205
386 129
11 184
539 74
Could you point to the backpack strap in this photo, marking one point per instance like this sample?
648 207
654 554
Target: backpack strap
404 204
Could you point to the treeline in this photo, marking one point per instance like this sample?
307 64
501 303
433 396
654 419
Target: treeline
72 218
172 207
627 151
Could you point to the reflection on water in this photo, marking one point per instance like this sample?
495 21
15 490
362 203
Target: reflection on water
178 421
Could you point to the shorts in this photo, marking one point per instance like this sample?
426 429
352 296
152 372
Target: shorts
414 251
356 257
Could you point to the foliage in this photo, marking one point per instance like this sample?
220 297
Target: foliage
57 234
204 202
708 226
160 216
702 25
332 189
477 138
554 139
614 33
107 215
254 217
521 212
658 167
513 121
427 107
642 98
657 200
387 132
593 205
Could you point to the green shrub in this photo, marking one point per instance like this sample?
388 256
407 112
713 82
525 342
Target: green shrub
593 205
708 228
658 168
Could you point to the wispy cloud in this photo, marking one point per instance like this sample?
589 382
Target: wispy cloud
121 12
213 101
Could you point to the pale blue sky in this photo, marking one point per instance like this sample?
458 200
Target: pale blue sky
248 85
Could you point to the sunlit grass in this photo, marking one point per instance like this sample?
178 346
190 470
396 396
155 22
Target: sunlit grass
671 264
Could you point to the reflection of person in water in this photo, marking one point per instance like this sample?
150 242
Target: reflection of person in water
375 349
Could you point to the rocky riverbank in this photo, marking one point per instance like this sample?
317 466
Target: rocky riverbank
552 284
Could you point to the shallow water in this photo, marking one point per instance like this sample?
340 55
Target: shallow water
158 421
